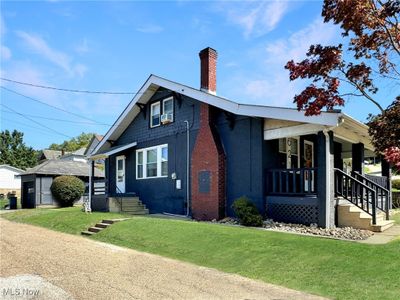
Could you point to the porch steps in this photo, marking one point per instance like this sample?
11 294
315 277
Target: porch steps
100 226
350 215
133 206
130 205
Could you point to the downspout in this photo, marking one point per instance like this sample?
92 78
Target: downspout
187 169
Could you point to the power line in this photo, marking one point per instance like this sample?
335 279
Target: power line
26 125
59 120
36 122
44 103
67 90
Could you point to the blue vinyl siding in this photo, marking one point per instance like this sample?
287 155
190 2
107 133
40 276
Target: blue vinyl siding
159 194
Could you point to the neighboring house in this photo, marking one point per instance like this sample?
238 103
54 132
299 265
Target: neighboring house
36 182
48 154
9 180
78 155
183 150
93 143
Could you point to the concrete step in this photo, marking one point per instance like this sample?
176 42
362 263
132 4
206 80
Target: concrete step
95 229
129 205
108 221
382 226
139 212
87 233
102 225
133 209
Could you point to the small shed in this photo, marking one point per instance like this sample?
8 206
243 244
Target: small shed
36 182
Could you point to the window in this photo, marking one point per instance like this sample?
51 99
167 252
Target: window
168 108
152 162
139 165
155 114
289 153
164 161
120 169
162 112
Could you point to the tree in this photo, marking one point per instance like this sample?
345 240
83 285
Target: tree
14 152
81 141
372 32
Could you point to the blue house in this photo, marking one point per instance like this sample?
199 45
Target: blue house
181 150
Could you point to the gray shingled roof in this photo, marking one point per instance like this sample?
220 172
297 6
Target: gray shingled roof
63 167
51 154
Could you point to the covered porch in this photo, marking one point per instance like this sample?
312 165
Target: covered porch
309 167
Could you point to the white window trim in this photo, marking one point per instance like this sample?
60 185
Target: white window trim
173 108
151 114
144 165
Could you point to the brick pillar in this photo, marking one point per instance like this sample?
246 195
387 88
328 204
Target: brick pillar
207 171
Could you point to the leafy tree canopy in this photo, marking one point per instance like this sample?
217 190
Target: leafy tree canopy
372 32
74 144
14 152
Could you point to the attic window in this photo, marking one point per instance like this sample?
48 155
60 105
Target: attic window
162 112
155 114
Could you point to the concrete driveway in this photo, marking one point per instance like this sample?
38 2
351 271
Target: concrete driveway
62 266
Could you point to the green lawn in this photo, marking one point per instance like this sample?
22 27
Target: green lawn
70 220
396 217
336 269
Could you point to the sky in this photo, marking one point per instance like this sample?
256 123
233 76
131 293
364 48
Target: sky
114 47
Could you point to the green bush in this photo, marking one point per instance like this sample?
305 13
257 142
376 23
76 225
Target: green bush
247 212
67 189
396 184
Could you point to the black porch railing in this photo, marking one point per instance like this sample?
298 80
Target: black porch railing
356 192
292 182
379 185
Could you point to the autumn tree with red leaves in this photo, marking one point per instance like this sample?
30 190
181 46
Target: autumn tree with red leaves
372 30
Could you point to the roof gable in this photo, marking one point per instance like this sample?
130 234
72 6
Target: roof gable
154 82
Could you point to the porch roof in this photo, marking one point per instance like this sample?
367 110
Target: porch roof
153 83
347 129
112 150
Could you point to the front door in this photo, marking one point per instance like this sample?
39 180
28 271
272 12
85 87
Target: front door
309 163
120 174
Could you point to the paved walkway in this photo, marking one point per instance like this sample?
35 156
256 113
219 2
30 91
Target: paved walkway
383 237
63 266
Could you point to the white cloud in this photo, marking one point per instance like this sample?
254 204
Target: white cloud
24 71
268 82
5 53
61 59
150 28
255 18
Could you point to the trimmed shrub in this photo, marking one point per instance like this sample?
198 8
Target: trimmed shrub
396 184
67 189
247 212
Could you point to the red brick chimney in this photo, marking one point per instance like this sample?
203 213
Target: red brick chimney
208 158
208 70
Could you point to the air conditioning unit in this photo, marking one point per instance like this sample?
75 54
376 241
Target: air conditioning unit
166 118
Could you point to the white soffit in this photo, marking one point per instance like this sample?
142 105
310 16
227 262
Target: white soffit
154 82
